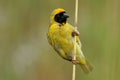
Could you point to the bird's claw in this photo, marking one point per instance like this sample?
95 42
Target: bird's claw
75 33
75 62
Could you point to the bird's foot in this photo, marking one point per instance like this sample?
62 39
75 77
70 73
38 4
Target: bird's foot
75 62
75 33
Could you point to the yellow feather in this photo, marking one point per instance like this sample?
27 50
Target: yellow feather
61 39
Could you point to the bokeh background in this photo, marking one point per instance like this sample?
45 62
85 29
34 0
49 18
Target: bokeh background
25 53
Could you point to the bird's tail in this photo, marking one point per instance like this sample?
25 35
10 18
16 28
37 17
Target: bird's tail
87 68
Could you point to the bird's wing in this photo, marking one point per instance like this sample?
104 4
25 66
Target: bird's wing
49 37
76 34
49 40
78 41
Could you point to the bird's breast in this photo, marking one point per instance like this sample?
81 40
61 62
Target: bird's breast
63 38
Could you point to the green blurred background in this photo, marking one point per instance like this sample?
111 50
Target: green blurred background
25 53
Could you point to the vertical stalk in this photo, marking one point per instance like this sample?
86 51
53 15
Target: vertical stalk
75 24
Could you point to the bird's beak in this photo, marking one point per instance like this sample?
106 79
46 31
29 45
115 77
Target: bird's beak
65 15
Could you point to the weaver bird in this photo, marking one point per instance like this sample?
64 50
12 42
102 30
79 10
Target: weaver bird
61 37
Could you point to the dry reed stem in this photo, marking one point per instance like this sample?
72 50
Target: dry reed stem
75 24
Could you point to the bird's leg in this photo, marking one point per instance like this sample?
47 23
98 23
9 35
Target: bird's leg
75 33
75 62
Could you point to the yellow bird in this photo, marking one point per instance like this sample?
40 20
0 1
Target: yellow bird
61 37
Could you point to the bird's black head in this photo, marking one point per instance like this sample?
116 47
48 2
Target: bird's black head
61 17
